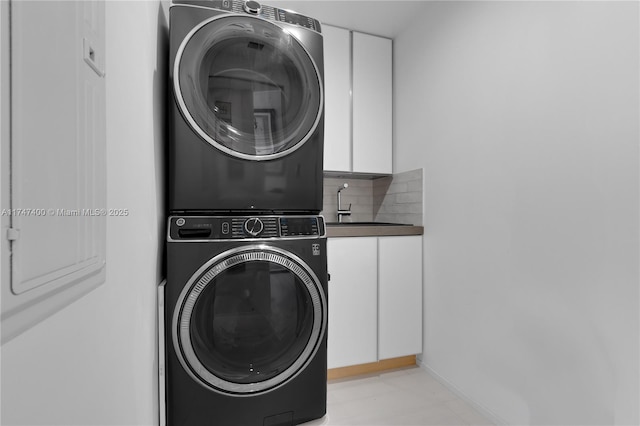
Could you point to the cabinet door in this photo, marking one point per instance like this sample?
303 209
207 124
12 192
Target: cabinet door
372 99
400 296
57 151
337 84
352 264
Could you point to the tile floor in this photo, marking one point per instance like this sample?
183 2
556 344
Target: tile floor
400 397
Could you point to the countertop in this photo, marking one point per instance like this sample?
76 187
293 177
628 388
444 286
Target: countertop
371 230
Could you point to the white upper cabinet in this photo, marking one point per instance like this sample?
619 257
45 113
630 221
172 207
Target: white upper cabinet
372 101
337 83
358 113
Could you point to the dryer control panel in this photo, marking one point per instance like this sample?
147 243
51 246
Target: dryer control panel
255 8
199 228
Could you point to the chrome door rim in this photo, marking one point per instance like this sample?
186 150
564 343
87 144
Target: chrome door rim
207 137
198 282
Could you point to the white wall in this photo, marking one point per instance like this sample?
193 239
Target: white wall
95 362
524 116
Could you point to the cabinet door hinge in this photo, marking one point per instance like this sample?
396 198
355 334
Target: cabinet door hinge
13 234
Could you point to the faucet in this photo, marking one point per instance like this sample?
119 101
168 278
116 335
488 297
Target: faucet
341 211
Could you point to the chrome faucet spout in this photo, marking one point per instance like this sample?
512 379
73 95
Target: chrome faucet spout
342 212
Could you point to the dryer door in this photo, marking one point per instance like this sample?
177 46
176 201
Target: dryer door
248 87
249 320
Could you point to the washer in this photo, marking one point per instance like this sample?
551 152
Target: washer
245 320
246 108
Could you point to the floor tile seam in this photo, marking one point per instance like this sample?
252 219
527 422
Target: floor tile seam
429 391
449 414
362 393
468 413
394 408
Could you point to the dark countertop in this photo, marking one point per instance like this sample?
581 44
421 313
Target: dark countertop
371 230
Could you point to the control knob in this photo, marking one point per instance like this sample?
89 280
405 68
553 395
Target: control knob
252 7
253 226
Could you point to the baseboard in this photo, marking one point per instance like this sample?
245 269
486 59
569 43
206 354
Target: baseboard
490 415
372 367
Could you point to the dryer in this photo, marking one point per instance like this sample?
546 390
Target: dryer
245 320
246 108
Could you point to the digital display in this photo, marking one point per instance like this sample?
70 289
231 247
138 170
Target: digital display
294 18
299 226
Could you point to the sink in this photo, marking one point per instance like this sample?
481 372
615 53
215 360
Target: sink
366 224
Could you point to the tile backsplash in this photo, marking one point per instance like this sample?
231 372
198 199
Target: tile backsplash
359 195
396 198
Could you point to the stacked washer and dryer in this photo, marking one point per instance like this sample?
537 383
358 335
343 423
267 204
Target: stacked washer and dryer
245 300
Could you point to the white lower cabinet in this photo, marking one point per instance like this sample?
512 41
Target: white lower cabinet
399 296
353 295
375 299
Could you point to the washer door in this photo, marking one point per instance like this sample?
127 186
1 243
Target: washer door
249 320
248 87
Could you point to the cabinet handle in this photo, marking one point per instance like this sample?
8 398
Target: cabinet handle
89 54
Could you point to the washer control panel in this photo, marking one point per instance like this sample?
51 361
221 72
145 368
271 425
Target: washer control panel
182 228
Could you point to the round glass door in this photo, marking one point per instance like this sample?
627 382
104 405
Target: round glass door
249 320
248 87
